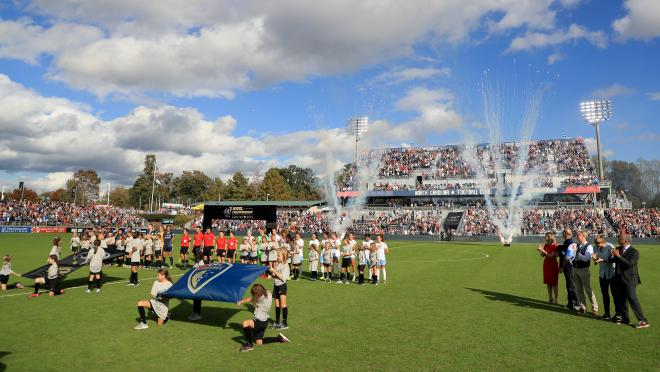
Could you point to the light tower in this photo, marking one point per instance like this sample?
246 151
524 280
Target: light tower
356 127
594 112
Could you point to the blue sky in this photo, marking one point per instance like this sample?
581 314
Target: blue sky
224 86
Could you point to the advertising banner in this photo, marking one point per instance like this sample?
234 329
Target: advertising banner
48 229
16 229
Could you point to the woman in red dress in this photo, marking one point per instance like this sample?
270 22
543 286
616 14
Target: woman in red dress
550 267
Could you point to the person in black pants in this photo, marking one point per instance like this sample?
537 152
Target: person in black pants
567 268
626 279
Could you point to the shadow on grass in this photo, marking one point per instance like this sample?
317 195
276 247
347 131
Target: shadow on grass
211 316
2 355
526 302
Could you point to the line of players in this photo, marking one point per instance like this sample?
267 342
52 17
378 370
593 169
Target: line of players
334 256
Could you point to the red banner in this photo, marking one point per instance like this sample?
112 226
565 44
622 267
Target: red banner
48 229
581 190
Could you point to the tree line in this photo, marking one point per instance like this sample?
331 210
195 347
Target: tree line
639 180
288 183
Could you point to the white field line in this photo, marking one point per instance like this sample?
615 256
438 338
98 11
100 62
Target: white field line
484 256
85 286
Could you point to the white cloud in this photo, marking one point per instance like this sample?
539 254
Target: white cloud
592 148
214 48
53 137
49 182
555 57
575 32
404 75
613 90
654 96
641 22
435 114
26 41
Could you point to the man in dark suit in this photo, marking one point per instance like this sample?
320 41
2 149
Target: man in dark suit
566 266
626 279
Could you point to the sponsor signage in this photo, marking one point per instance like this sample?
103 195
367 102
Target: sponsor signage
48 229
16 229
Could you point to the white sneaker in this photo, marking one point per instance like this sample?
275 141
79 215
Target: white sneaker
98 290
339 281
88 290
194 317
141 326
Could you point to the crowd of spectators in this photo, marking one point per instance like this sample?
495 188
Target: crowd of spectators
641 223
539 221
545 159
48 213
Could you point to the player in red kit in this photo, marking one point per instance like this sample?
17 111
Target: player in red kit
221 247
198 240
209 238
185 245
232 244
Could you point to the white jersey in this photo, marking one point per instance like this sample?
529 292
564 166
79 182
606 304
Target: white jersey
95 260
283 270
367 243
380 250
55 251
301 245
136 244
75 242
148 246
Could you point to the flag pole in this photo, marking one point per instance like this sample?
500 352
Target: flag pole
153 186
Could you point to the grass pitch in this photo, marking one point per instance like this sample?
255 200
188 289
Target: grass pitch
445 306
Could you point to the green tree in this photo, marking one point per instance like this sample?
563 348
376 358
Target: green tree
303 183
86 183
192 185
274 184
238 188
216 190
626 176
28 194
141 190
120 197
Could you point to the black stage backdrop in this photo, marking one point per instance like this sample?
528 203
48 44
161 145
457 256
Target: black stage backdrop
266 213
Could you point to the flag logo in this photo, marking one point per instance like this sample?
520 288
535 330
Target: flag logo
204 274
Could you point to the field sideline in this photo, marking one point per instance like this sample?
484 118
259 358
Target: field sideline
445 306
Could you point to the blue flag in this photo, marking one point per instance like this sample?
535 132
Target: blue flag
225 282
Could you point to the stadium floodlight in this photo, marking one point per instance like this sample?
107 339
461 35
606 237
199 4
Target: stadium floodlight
595 112
357 127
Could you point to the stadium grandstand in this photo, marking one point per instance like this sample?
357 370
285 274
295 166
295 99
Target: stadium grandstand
422 191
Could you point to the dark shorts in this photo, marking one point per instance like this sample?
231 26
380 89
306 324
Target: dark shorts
167 249
4 279
361 267
252 259
220 252
326 264
51 284
259 329
231 253
346 262
135 263
99 273
197 250
279 290
184 250
158 253
208 251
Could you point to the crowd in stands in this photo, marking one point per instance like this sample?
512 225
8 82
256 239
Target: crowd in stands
538 221
48 213
546 159
641 223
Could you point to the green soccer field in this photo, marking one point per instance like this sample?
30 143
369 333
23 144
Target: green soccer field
445 306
